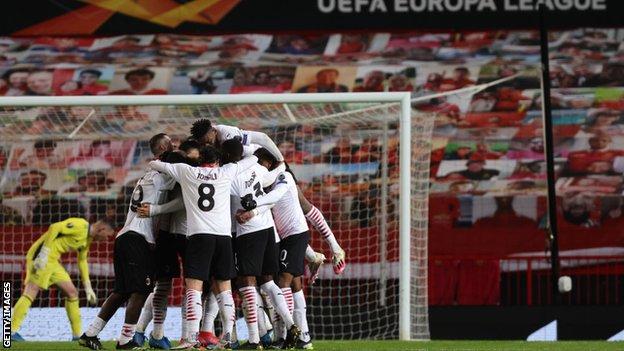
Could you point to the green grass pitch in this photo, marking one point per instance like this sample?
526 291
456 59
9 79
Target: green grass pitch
363 345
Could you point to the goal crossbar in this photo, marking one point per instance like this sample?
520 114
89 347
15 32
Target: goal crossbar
111 100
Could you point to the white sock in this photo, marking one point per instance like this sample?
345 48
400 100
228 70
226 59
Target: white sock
262 320
318 221
96 326
228 313
279 302
193 313
299 315
146 315
211 311
183 313
127 332
250 307
159 303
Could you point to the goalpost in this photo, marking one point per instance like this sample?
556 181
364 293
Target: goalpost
363 158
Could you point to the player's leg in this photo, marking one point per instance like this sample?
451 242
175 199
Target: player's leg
181 243
90 337
159 303
267 284
223 271
249 250
300 313
264 325
133 310
167 267
197 263
139 282
211 311
144 320
292 257
117 298
20 310
72 307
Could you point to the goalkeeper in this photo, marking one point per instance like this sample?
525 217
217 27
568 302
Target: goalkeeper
43 268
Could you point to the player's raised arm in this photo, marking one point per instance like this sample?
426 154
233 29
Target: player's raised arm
152 210
263 140
172 170
271 177
279 189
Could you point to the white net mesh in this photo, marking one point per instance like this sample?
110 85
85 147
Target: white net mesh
84 161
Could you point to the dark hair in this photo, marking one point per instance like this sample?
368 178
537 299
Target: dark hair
100 142
462 69
45 144
209 154
264 155
140 72
328 70
95 72
232 151
188 144
200 128
8 73
174 157
155 142
34 171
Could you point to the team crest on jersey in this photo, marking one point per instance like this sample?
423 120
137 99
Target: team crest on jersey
281 179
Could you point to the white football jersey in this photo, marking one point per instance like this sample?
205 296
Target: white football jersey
151 188
248 138
228 132
287 213
206 193
250 182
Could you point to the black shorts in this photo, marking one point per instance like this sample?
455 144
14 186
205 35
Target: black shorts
292 253
134 264
209 255
256 253
170 248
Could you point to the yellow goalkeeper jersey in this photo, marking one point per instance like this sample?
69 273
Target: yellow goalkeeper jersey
70 235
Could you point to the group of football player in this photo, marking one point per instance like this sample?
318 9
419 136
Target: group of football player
226 206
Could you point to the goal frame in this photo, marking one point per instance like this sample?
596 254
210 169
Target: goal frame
405 149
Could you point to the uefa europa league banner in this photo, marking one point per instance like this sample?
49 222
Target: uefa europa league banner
96 17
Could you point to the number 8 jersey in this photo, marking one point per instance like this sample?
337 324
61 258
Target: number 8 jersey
206 193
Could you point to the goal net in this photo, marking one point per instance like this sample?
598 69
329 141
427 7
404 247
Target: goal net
362 159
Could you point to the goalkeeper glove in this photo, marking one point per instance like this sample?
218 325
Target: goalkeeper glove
42 258
248 202
338 259
91 297
314 265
